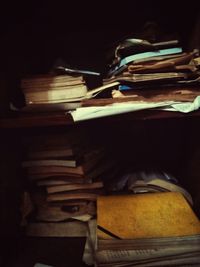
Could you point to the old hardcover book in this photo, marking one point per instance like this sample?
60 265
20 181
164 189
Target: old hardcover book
55 170
150 215
90 196
74 186
55 181
57 176
152 229
61 166
49 80
61 94
41 89
50 162
97 171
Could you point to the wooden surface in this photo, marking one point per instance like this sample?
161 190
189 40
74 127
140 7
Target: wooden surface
62 119
36 120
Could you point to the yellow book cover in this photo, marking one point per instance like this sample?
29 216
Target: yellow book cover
150 215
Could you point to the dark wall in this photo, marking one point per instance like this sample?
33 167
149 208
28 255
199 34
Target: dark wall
35 34
82 33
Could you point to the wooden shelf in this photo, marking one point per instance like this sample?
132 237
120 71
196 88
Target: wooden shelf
36 120
19 120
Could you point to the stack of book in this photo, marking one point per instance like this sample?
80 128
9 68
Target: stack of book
57 91
64 173
162 66
158 229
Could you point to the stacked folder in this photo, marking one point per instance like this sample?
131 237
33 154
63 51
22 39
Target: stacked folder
152 229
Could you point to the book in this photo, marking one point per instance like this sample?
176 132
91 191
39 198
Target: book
54 152
71 92
45 89
37 86
49 79
173 64
152 229
147 78
91 196
80 170
98 171
161 52
57 176
39 200
73 203
150 215
50 162
61 181
61 166
73 186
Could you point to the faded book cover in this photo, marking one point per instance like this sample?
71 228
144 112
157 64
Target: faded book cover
150 215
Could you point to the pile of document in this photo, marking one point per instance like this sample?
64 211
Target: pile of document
152 229
146 76
142 65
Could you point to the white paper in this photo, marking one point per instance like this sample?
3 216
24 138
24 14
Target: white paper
186 107
86 113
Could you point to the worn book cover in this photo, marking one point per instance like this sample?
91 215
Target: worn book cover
150 215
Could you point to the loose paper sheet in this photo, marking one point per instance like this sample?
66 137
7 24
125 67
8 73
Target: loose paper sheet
86 113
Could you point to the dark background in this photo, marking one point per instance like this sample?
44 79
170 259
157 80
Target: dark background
34 34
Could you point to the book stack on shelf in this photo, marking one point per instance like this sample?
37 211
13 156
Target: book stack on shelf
143 76
64 172
140 66
152 229
53 92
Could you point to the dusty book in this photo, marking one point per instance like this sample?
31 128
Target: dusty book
62 167
55 181
64 93
153 212
50 162
90 196
73 186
